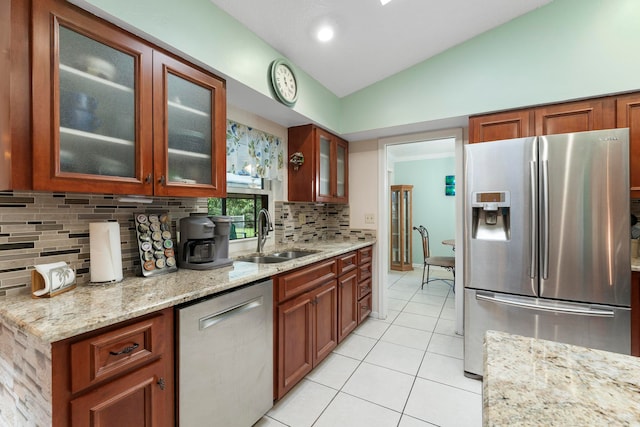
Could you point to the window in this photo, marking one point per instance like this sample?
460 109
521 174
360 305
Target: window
243 210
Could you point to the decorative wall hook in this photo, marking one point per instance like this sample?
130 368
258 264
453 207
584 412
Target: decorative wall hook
297 159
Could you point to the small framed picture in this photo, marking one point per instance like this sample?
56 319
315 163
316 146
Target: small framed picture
450 185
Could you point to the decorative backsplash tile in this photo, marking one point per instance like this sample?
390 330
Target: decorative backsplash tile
41 228
307 222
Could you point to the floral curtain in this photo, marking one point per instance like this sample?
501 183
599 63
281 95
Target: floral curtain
253 153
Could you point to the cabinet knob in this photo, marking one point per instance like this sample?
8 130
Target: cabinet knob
161 383
162 180
147 180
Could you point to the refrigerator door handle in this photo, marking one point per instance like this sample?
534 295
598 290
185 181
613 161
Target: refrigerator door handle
555 308
544 216
532 219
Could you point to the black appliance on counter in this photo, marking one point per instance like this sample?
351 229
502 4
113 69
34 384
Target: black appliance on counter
203 242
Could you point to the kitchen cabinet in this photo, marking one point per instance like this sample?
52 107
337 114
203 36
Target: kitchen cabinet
365 274
115 114
323 177
401 228
579 116
120 375
628 116
635 313
347 294
497 126
305 316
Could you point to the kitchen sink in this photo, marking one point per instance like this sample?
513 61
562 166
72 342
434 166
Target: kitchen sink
276 257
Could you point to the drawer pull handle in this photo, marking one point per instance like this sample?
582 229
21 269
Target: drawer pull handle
125 350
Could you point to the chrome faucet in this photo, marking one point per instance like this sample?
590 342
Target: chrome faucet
263 229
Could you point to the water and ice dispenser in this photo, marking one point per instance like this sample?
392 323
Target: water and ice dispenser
491 212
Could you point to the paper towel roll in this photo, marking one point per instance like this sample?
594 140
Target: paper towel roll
105 252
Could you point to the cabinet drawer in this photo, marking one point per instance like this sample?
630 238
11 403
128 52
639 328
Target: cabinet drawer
110 353
364 272
364 308
305 279
347 262
365 255
364 288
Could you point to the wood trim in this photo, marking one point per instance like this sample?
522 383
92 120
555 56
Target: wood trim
635 313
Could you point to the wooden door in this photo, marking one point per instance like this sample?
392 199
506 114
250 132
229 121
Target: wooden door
506 125
325 319
628 116
92 118
578 116
295 342
189 130
347 304
137 399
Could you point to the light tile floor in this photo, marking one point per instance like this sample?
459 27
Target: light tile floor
404 371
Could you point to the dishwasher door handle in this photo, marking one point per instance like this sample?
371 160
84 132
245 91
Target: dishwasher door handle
211 320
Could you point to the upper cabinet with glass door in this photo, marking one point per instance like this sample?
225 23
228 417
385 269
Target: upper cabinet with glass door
103 114
323 177
188 161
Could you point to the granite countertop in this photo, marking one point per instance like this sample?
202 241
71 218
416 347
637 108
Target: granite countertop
530 381
89 307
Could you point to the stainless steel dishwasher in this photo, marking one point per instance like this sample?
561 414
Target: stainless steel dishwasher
225 358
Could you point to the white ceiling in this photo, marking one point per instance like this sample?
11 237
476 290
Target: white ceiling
372 41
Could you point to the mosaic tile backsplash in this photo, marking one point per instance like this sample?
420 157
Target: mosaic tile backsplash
41 228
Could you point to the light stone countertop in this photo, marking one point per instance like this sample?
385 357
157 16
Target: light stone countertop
635 264
90 307
536 382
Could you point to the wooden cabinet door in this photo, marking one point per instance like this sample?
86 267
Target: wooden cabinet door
628 116
295 341
575 117
138 399
92 116
506 125
324 176
325 327
189 130
635 313
347 304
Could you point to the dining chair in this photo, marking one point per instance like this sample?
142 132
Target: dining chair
447 262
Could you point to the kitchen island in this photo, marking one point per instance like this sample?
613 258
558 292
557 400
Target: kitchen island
28 327
529 381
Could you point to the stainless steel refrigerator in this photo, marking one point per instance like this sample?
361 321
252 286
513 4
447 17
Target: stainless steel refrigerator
547 241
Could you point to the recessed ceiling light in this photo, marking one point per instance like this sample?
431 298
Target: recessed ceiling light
384 2
325 33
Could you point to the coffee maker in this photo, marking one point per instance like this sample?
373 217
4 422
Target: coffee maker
203 242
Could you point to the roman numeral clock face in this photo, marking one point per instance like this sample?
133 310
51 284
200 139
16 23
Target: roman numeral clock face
284 83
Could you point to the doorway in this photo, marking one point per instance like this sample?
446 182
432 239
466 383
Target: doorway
435 143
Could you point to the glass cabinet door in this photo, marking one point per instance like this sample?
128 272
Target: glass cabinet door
189 131
401 228
395 228
324 173
341 172
97 113
92 92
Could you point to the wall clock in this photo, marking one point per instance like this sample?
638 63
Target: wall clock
283 82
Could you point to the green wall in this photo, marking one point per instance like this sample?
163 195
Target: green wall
431 207
567 49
